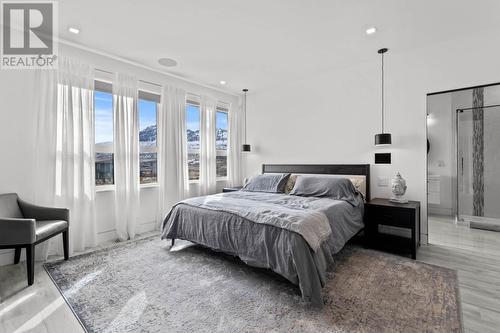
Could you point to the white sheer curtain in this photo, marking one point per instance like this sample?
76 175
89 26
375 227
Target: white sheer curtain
65 149
235 172
208 184
172 153
126 150
45 105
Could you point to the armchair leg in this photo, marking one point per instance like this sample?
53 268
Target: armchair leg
65 236
30 263
17 255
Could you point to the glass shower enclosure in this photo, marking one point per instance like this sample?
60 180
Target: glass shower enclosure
478 166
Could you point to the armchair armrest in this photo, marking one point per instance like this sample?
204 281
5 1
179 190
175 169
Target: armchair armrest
43 213
16 231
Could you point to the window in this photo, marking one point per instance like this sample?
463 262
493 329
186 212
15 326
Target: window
193 139
104 157
147 108
221 126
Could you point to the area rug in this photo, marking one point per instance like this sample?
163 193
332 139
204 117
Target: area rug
142 286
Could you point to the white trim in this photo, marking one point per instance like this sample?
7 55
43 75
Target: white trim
104 148
137 64
149 87
148 150
149 185
104 188
106 236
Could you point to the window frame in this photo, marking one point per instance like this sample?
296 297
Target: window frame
151 97
104 86
194 101
222 107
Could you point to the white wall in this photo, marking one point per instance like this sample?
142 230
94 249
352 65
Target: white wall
441 156
17 138
332 116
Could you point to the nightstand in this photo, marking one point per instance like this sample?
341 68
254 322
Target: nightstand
394 227
231 189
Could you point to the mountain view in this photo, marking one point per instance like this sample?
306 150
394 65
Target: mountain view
149 135
148 163
193 136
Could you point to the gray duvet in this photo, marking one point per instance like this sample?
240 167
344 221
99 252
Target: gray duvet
294 236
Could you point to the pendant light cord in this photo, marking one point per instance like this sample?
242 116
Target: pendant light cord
382 93
245 91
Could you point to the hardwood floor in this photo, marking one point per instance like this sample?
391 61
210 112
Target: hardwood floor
39 308
475 254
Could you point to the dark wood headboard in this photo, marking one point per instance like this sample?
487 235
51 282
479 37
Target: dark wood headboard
330 169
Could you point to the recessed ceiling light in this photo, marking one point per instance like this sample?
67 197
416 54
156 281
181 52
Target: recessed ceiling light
74 30
371 30
222 82
167 62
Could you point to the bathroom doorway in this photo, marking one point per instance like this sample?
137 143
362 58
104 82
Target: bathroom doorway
463 167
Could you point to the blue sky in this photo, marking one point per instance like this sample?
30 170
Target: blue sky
103 117
147 112
193 118
221 120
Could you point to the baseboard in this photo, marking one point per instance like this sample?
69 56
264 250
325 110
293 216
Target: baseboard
7 256
106 236
440 211
111 235
424 239
146 227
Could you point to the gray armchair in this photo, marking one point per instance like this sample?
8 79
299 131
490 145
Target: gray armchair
23 225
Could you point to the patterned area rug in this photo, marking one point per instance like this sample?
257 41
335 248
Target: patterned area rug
141 286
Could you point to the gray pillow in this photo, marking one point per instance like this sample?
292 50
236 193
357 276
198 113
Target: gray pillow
331 187
272 183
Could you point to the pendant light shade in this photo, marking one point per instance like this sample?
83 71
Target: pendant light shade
245 147
383 138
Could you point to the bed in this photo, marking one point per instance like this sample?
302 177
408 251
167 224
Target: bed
294 236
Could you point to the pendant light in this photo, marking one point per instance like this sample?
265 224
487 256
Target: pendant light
383 138
245 147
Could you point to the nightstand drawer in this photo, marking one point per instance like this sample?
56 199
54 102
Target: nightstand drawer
393 217
392 226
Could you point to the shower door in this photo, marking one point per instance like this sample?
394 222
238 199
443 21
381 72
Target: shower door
478 166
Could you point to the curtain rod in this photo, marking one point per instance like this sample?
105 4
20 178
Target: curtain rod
143 81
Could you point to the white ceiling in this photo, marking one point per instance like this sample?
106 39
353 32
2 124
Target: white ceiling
258 43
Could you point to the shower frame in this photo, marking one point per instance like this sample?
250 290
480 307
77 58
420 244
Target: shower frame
457 164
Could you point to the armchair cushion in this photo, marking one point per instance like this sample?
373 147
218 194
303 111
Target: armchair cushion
9 208
45 228
17 231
